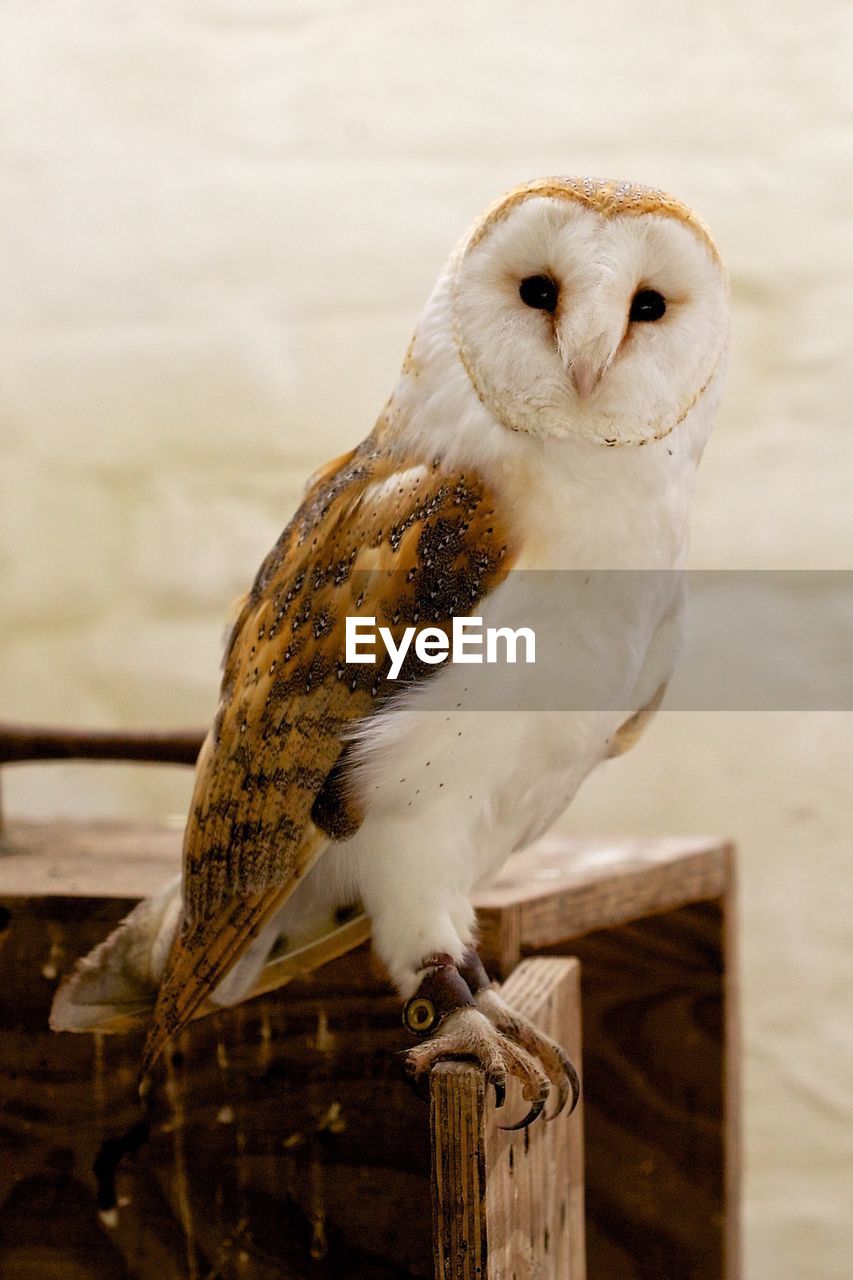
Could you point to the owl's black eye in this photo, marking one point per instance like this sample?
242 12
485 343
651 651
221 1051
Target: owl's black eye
647 304
539 292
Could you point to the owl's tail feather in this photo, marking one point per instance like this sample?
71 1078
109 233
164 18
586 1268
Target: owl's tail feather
114 988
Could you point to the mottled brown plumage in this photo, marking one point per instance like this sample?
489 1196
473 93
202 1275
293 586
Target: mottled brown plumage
408 544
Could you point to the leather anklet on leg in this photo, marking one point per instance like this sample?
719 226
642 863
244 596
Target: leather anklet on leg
442 991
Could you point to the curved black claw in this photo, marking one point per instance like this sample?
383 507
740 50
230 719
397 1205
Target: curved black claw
418 1082
499 1086
571 1088
533 1114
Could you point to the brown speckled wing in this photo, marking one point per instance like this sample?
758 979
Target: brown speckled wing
407 544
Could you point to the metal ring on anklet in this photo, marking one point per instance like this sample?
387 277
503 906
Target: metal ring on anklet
419 1015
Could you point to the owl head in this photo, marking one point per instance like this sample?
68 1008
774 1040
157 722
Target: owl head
591 308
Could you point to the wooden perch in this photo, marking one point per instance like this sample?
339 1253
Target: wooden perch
21 743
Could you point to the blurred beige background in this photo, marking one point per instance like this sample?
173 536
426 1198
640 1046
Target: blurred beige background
218 222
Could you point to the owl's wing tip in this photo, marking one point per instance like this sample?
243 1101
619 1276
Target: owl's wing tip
155 1043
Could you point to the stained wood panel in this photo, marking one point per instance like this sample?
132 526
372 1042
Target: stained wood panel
559 889
652 923
661 1139
660 1065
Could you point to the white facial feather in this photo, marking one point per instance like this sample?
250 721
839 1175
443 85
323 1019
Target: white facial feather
521 359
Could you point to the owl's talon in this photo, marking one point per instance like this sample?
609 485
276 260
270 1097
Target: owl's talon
567 1089
533 1114
417 1082
499 1086
556 1063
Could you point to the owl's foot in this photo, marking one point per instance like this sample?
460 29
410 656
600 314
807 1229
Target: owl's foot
558 1066
468 1035
444 1004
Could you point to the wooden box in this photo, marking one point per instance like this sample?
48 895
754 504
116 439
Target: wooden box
283 1140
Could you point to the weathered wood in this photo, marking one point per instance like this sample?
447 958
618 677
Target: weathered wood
661 1082
93 860
559 889
284 1138
510 1204
661 1046
652 923
655 1075
26 742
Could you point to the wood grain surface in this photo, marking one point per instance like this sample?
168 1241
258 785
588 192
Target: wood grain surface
557 883
284 1129
560 889
284 1140
660 1073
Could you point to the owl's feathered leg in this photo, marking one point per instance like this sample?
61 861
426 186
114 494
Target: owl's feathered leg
520 1030
444 1004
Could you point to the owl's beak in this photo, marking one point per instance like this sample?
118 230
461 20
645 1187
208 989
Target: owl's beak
586 375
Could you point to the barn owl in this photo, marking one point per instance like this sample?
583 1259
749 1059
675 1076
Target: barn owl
550 414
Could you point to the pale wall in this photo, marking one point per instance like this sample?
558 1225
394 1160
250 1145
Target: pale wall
219 221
